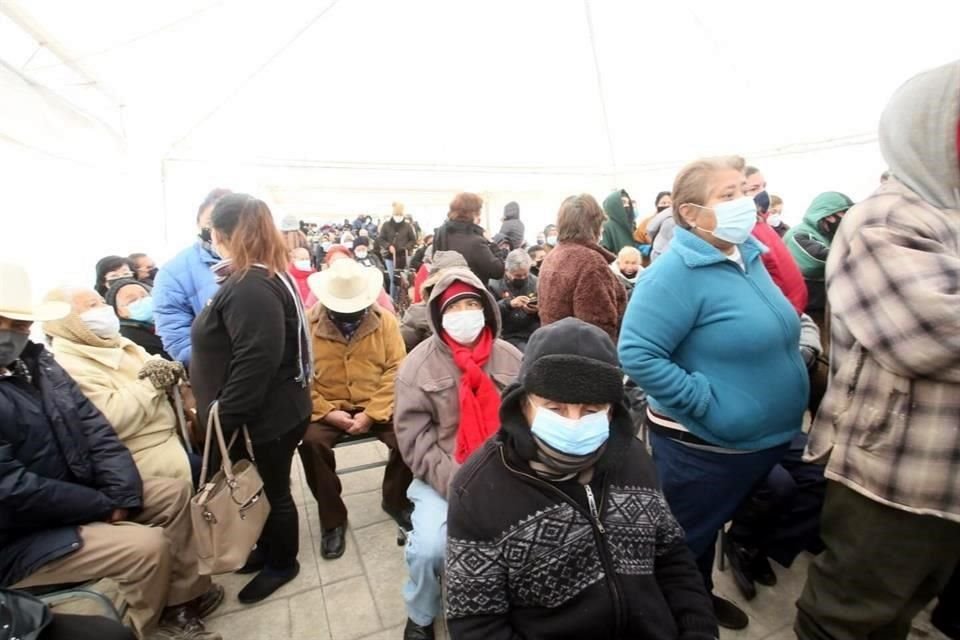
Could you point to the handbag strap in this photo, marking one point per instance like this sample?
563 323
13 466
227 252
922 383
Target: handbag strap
214 428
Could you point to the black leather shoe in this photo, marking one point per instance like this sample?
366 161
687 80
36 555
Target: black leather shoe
255 563
947 624
413 631
729 615
740 561
266 583
208 602
762 571
333 542
402 518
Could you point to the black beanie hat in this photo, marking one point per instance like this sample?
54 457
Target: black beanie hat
110 297
572 361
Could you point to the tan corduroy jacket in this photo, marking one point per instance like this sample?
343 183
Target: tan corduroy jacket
358 374
141 414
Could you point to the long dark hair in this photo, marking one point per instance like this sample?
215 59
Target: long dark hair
246 226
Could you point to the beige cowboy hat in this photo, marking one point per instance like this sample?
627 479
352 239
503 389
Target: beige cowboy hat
16 298
346 286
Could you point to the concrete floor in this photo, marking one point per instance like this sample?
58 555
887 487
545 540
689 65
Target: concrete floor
358 597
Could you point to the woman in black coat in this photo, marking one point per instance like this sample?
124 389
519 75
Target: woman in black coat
462 233
251 354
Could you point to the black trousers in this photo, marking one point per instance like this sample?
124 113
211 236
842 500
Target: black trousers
781 518
72 627
280 540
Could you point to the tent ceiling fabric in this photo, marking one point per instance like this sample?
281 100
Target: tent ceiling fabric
499 83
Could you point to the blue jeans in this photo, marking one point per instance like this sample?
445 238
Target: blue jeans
425 551
704 489
390 264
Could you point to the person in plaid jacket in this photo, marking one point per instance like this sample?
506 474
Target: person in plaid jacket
889 427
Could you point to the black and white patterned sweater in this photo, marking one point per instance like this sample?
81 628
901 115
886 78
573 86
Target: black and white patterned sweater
527 558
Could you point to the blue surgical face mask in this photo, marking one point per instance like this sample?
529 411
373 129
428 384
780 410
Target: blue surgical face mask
141 310
735 219
574 437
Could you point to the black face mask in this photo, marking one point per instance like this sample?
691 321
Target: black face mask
347 318
518 283
661 207
205 234
152 274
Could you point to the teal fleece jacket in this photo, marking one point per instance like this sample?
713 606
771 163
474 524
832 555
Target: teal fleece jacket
715 347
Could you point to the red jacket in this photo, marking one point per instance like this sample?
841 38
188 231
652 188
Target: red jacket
782 267
300 277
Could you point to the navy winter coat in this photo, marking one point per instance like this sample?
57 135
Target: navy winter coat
61 465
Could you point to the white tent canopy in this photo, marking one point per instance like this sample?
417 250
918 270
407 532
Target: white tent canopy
117 116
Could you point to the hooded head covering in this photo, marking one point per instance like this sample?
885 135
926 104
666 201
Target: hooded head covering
621 222
919 135
823 206
511 211
71 328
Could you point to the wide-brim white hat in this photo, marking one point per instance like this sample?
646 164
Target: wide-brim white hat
346 286
16 298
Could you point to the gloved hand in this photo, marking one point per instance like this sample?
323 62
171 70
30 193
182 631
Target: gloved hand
162 374
810 348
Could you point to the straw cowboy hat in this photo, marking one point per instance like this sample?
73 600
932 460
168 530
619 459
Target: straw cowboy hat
347 286
16 298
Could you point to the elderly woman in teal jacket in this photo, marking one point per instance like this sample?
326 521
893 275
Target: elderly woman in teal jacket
715 345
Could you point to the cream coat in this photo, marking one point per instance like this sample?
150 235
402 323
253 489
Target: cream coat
141 415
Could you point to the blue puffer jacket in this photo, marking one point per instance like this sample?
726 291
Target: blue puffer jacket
61 465
181 291
715 347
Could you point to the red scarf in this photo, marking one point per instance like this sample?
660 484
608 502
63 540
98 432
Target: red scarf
479 397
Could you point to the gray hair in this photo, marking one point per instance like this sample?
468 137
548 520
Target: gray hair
518 259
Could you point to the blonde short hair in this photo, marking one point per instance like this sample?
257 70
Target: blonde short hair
629 252
691 186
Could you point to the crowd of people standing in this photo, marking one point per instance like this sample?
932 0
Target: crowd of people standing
572 423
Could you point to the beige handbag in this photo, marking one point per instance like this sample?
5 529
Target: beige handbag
228 512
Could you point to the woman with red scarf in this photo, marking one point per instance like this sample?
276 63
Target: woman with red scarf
447 404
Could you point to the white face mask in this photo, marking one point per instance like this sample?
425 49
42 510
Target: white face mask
774 220
102 322
348 245
464 326
552 241
360 254
302 265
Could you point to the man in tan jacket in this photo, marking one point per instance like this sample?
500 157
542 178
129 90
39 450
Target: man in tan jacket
357 350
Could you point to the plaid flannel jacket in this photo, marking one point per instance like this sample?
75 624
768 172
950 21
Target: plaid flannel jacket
889 426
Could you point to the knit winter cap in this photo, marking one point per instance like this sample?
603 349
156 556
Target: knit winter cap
111 296
574 362
458 291
762 201
361 242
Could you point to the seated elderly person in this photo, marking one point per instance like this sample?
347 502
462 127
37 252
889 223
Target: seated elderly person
556 527
448 396
357 350
122 380
72 505
132 300
416 320
516 294
627 268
